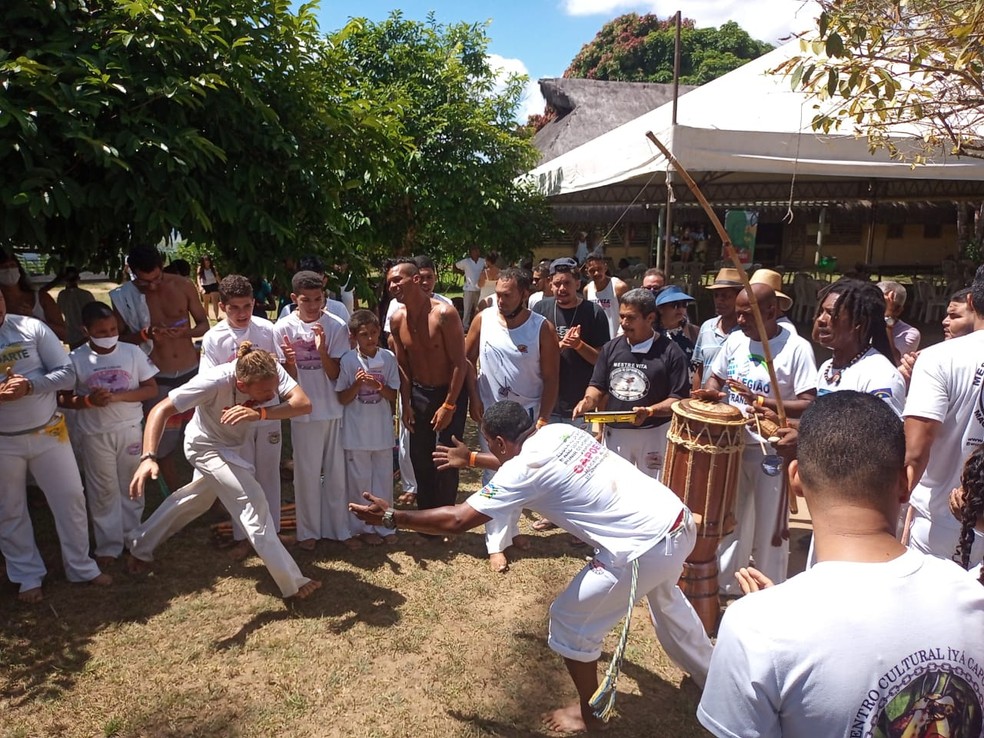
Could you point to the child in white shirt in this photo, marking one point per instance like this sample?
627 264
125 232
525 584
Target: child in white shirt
220 346
318 341
112 379
368 383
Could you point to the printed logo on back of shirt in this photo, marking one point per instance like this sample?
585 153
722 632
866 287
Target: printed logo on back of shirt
932 692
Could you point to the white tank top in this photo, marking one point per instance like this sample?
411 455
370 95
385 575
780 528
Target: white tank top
607 301
510 361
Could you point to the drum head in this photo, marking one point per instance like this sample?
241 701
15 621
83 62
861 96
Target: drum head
715 413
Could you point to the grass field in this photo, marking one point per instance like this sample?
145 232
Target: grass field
417 639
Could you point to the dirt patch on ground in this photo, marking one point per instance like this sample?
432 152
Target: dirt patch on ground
417 639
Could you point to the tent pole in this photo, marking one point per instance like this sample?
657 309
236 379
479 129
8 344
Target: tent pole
676 66
668 224
820 223
656 238
869 246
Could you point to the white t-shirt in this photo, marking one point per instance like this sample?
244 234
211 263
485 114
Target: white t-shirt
472 270
534 299
569 478
121 370
368 424
221 342
607 300
848 649
872 374
947 387
32 350
743 359
310 373
212 391
395 305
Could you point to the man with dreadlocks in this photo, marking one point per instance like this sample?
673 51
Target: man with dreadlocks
967 506
850 323
944 421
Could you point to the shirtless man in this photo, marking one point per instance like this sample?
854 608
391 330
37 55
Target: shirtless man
430 348
155 311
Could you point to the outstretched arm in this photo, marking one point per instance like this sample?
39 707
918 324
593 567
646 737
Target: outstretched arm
436 521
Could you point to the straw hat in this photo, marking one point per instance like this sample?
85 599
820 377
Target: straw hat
727 278
774 280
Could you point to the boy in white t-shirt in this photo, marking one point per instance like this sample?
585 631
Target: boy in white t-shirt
318 341
368 383
112 379
219 346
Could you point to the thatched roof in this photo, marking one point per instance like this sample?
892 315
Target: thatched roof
587 108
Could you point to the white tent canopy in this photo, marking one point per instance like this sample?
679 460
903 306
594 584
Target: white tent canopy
748 121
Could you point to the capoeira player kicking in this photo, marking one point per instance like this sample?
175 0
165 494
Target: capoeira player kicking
227 399
633 521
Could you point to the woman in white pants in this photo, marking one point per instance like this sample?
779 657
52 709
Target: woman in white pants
228 398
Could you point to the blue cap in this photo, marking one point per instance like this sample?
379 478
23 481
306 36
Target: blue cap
672 294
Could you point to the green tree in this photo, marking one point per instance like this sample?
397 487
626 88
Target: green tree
639 48
875 64
234 122
458 186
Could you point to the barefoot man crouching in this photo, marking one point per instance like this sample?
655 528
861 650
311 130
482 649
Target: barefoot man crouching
632 520
227 399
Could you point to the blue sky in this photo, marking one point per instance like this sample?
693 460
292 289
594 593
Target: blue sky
540 37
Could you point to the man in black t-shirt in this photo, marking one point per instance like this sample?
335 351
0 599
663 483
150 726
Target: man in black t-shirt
643 372
582 330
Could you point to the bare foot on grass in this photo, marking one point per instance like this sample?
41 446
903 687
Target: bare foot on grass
307 544
103 580
240 551
306 590
407 498
31 596
287 540
105 561
498 563
371 539
569 720
136 566
352 544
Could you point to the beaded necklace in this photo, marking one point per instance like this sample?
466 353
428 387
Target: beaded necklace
835 379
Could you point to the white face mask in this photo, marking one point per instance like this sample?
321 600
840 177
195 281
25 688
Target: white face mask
105 343
10 276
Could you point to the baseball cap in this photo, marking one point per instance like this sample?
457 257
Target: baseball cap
563 264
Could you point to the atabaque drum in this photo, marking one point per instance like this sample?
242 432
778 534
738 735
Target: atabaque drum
703 461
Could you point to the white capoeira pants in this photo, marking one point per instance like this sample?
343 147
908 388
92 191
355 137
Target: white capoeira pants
938 540
499 533
408 479
645 448
108 462
596 599
756 512
320 492
242 495
48 455
469 301
262 450
369 471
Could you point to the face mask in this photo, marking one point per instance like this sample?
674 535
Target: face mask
10 276
104 343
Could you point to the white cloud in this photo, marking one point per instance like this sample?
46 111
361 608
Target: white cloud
766 20
532 101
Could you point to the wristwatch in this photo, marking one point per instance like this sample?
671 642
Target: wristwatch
889 322
389 519
149 455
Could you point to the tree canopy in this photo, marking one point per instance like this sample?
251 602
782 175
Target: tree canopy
874 64
457 186
639 48
239 123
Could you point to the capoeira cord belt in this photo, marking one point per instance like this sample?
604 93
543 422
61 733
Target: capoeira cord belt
603 700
